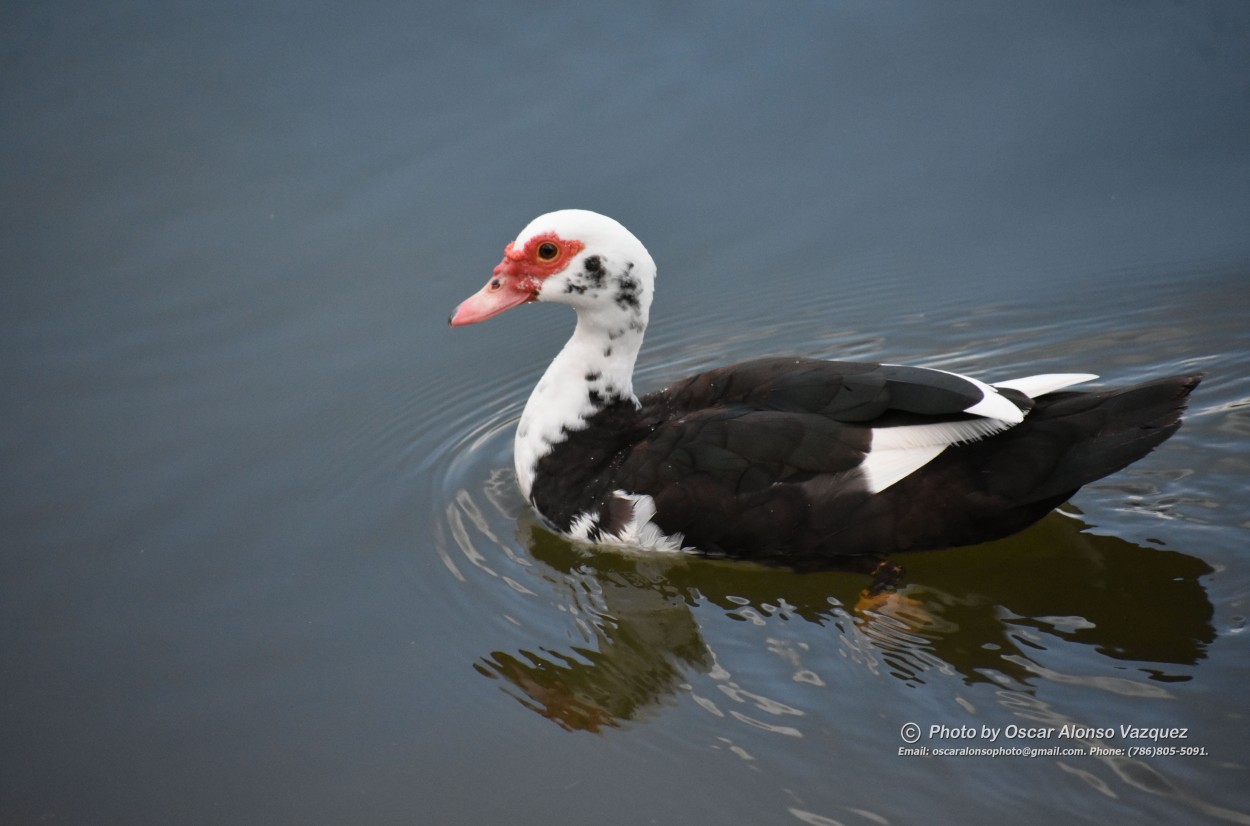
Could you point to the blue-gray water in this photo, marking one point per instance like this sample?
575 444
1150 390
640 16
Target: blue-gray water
263 559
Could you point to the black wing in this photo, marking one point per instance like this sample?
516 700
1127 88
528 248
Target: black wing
841 390
770 454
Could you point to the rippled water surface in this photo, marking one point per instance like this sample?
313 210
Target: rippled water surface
264 558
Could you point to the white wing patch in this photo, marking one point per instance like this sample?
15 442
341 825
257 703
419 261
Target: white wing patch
992 405
882 468
898 452
938 434
1040 385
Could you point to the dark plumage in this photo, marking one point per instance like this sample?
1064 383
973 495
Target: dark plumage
758 460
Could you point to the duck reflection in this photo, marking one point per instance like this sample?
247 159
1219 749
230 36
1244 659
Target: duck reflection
645 639
983 612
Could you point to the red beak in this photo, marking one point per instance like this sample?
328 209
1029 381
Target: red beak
502 292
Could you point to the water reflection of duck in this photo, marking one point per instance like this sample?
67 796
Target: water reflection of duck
962 613
790 458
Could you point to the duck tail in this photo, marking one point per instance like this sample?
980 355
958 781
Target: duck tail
1098 433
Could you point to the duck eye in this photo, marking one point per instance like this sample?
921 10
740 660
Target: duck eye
548 252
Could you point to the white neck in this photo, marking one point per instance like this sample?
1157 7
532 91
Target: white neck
610 282
594 369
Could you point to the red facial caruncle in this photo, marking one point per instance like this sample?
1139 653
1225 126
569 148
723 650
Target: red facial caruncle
518 277
542 256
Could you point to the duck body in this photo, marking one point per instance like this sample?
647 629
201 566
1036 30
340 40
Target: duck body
786 459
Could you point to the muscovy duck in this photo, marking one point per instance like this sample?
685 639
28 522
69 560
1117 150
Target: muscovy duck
788 459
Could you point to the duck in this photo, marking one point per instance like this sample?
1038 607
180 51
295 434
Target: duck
793 460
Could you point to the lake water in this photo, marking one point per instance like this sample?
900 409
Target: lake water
263 556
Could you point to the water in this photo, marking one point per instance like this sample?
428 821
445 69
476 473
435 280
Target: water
264 560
